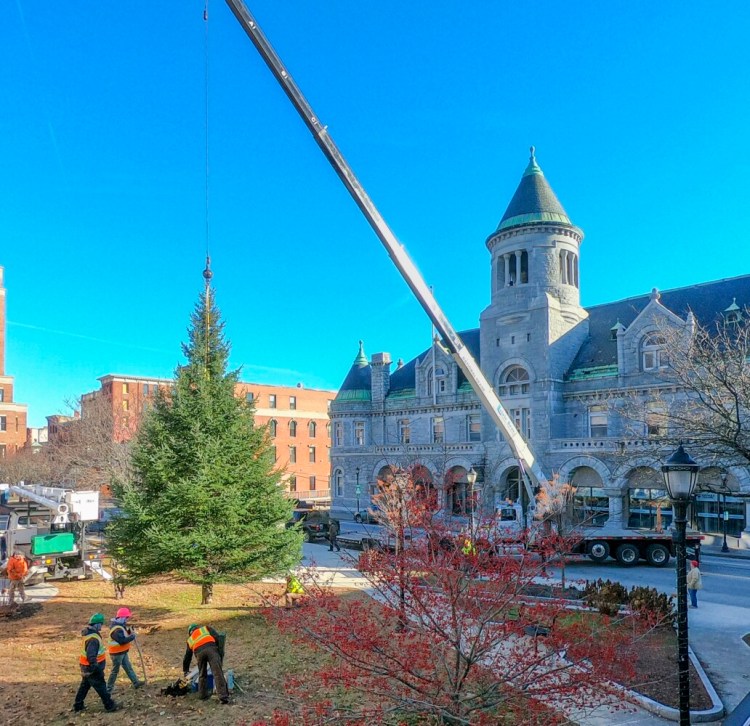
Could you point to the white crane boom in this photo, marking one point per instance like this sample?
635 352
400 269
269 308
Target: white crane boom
395 250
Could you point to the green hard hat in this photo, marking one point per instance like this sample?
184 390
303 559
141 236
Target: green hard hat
96 619
192 627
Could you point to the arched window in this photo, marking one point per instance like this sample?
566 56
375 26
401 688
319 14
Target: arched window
653 352
338 482
437 380
272 425
292 428
514 382
311 429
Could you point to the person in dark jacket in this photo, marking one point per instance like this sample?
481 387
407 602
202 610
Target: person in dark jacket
333 533
203 642
121 635
93 659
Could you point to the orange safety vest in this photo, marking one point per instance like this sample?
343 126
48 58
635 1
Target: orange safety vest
115 647
17 568
200 636
101 655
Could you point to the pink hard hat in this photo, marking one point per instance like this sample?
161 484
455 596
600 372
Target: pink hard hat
123 613
694 563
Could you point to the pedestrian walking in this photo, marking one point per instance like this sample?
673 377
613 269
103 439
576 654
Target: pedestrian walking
17 569
333 533
121 637
694 583
203 643
93 661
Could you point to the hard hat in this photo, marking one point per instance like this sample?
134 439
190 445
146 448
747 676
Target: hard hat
192 627
123 613
96 619
694 563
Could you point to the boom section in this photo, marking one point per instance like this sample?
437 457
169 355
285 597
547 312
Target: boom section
395 249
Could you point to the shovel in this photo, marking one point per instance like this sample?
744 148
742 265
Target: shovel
140 655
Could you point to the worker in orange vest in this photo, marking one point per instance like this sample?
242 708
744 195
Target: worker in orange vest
121 636
203 642
93 660
17 570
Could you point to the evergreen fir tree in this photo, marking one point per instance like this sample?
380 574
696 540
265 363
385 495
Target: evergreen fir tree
204 502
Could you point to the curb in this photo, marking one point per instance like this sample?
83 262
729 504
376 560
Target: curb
672 714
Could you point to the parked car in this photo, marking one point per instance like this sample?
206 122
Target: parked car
312 522
105 517
369 516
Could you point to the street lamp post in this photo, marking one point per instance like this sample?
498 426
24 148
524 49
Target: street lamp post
680 477
357 490
471 478
724 513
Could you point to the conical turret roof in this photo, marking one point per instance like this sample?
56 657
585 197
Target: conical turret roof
357 385
534 201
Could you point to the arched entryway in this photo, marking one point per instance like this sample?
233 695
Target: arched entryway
590 503
459 497
717 502
648 504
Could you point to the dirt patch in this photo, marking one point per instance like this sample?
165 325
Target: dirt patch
657 675
21 610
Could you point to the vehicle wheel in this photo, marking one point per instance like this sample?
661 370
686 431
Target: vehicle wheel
599 551
628 555
657 555
358 518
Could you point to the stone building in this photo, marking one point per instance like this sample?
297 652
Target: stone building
560 370
12 415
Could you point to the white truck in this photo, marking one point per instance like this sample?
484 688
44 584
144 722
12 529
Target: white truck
48 524
627 546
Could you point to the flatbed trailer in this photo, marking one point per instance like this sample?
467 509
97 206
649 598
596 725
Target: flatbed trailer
630 546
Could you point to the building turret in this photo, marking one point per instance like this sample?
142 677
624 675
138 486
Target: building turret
357 385
535 247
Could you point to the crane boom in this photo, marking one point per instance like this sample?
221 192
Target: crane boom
395 249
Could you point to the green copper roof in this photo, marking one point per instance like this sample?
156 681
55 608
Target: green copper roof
534 201
358 382
582 374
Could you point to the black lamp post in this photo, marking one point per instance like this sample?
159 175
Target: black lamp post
471 478
724 513
680 477
357 490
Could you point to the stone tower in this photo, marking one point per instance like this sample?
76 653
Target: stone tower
534 324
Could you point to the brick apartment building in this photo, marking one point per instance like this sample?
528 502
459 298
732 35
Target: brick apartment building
297 418
12 415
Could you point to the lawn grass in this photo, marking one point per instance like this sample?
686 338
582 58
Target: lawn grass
39 672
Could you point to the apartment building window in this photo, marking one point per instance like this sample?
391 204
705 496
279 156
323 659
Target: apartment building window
271 400
522 420
275 455
126 405
313 483
339 432
404 431
598 421
292 454
473 427
328 453
312 429
292 403
125 387
2 451
3 423
145 389
311 454
249 397
292 483
328 430
338 482
656 421
272 426
359 433
2 395
292 428
438 430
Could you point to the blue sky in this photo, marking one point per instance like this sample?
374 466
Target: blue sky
639 113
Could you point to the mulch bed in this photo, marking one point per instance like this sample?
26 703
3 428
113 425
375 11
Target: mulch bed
656 672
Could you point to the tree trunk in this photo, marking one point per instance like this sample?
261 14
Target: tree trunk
207 594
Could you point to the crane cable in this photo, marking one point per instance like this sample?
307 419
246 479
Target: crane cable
207 273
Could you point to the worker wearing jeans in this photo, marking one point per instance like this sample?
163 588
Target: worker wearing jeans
120 638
